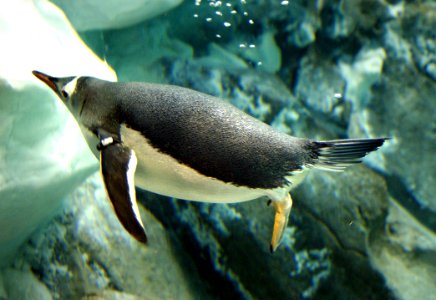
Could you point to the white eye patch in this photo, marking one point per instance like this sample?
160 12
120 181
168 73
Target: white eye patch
70 87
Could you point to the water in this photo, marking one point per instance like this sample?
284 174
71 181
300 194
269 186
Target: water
315 69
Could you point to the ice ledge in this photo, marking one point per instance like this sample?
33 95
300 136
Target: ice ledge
112 14
42 156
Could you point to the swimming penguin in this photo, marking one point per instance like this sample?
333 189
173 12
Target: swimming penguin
185 144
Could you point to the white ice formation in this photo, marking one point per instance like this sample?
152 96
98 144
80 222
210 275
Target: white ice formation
42 153
112 14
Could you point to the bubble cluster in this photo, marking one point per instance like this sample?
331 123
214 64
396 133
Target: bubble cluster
222 13
224 17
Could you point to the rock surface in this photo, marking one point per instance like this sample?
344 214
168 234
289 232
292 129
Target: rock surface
323 246
85 252
22 284
403 251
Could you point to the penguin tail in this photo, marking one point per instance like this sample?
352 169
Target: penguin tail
336 155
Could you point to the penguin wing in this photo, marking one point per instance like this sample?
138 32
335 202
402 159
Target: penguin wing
118 165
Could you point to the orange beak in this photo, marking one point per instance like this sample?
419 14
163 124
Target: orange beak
48 80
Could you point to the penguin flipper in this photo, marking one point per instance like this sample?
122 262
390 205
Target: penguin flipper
118 165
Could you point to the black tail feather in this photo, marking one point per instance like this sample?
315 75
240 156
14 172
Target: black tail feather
336 155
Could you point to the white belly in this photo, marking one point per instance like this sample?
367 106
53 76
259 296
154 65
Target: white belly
91 140
162 174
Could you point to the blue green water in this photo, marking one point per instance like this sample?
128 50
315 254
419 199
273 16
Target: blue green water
315 69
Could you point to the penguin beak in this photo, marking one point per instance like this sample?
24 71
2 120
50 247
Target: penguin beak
48 80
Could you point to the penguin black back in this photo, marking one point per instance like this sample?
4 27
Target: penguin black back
205 133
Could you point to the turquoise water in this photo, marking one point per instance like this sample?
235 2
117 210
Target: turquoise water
316 69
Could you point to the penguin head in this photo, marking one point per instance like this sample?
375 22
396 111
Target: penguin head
64 87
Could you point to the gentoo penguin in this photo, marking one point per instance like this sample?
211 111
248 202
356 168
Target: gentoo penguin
185 144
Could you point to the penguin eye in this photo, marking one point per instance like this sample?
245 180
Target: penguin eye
65 94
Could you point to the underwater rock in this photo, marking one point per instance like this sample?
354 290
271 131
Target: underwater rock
407 115
339 210
362 75
323 246
419 17
110 295
264 52
97 14
371 230
23 285
326 102
85 251
403 251
43 156
402 105
361 195
301 30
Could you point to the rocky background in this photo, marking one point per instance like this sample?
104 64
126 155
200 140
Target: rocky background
319 69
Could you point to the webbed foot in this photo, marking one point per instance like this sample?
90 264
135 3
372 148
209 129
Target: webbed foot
283 210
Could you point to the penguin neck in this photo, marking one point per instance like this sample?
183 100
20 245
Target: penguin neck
91 139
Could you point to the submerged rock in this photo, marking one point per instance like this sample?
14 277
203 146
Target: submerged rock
324 251
402 105
85 252
22 285
321 87
399 109
403 251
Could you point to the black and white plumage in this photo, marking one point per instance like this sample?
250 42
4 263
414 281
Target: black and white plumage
192 146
